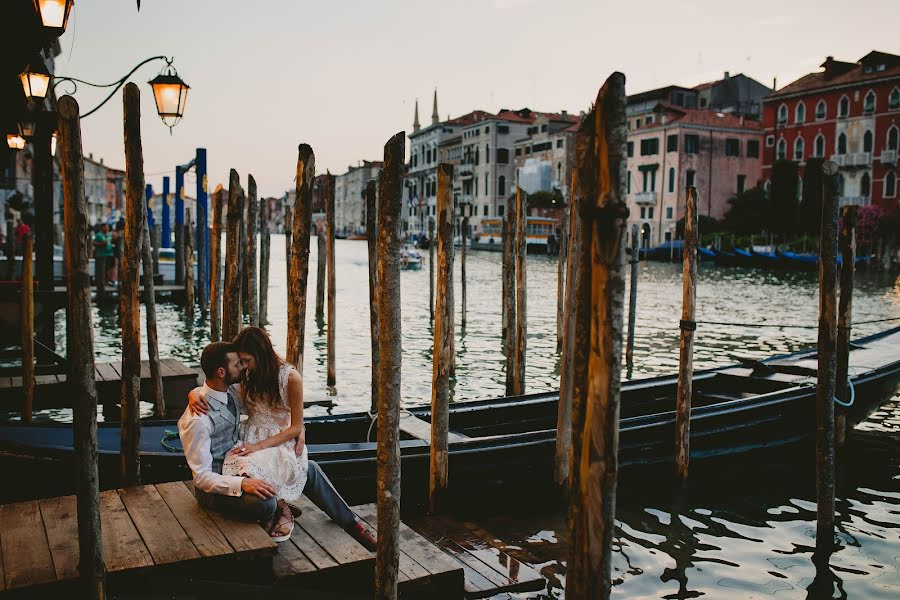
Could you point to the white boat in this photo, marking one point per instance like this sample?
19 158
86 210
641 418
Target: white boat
410 259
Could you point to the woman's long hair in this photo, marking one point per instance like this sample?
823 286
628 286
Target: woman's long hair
260 384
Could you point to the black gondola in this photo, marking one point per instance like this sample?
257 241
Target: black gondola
746 407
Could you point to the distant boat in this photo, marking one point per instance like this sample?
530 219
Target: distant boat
410 259
672 250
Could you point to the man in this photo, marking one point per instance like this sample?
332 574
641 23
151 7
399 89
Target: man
208 438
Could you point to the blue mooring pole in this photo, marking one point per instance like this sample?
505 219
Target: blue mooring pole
179 225
164 209
150 222
202 231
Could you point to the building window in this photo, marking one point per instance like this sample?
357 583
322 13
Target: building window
671 179
894 99
476 155
650 212
487 153
867 141
630 149
821 110
628 183
844 107
649 179
559 174
503 156
476 185
892 135
752 148
649 146
781 152
486 187
865 185
487 129
890 184
643 212
500 209
691 143
869 103
668 212
474 210
732 147
819 146
559 143
502 129
637 123
487 210
650 120
770 141
543 128
690 176
672 143
800 112
798 149
741 183
842 144
501 186
782 115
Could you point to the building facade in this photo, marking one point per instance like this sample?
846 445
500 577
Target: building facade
546 156
848 113
350 197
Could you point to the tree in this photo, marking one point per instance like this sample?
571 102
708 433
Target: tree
543 199
810 210
705 223
749 212
783 196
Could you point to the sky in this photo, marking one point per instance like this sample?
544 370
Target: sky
343 75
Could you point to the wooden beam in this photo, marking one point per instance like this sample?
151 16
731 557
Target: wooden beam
231 304
299 260
372 244
252 225
685 387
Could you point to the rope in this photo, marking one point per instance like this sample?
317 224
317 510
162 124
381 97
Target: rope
849 403
169 434
785 326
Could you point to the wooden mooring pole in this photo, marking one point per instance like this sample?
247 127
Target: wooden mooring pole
159 402
632 297
81 373
231 303
264 253
331 377
299 259
443 335
189 287
431 268
27 316
462 271
387 494
687 325
509 294
825 390
561 279
601 159
321 253
847 242
252 225
372 244
288 230
215 267
521 245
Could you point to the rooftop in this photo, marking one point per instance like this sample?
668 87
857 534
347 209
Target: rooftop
871 67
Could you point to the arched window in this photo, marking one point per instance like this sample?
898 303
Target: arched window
820 146
671 179
865 185
867 141
501 186
821 110
892 135
890 184
800 112
844 107
782 149
559 174
840 184
799 188
869 103
798 148
894 99
842 144
782 114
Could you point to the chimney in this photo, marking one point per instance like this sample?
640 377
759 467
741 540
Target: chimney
565 115
101 161
727 75
829 67
91 155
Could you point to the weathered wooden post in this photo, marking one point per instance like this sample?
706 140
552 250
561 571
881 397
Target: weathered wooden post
243 259
443 335
509 298
561 279
387 492
321 252
564 408
847 239
632 296
156 238
825 387
431 268
189 286
288 230
252 225
331 378
231 303
91 568
299 260
159 403
129 299
264 245
462 269
504 283
215 267
372 244
601 159
685 387
27 315
521 291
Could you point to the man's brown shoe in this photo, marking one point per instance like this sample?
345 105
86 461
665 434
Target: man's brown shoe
361 534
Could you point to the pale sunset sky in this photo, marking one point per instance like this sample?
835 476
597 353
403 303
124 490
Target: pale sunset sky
343 75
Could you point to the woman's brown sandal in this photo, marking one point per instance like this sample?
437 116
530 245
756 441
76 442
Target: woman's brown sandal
283 526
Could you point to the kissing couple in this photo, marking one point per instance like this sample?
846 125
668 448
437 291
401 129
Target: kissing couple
258 469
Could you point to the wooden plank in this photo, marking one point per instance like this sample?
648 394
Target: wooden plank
243 537
2 576
45 380
421 429
123 548
204 534
61 526
108 372
308 546
334 540
165 370
145 369
178 367
290 561
15 382
26 553
5 382
164 537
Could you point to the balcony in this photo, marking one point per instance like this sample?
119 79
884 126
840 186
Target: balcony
855 159
645 198
888 157
466 171
854 200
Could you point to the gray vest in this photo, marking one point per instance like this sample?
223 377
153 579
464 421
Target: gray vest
225 431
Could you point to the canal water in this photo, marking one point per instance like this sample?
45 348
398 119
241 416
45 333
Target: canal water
742 530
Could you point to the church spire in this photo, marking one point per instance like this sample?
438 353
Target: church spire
435 119
416 126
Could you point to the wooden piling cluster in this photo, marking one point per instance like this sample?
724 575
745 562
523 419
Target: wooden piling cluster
215 267
687 325
372 244
331 377
231 303
847 243
159 403
601 160
509 294
252 225
264 254
299 258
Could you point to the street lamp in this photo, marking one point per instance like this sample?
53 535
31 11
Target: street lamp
35 80
15 141
54 14
26 125
170 93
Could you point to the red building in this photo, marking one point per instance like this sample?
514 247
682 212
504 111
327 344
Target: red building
848 113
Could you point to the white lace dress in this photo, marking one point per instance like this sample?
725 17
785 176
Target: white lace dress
279 465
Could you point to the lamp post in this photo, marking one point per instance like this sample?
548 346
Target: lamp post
54 14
